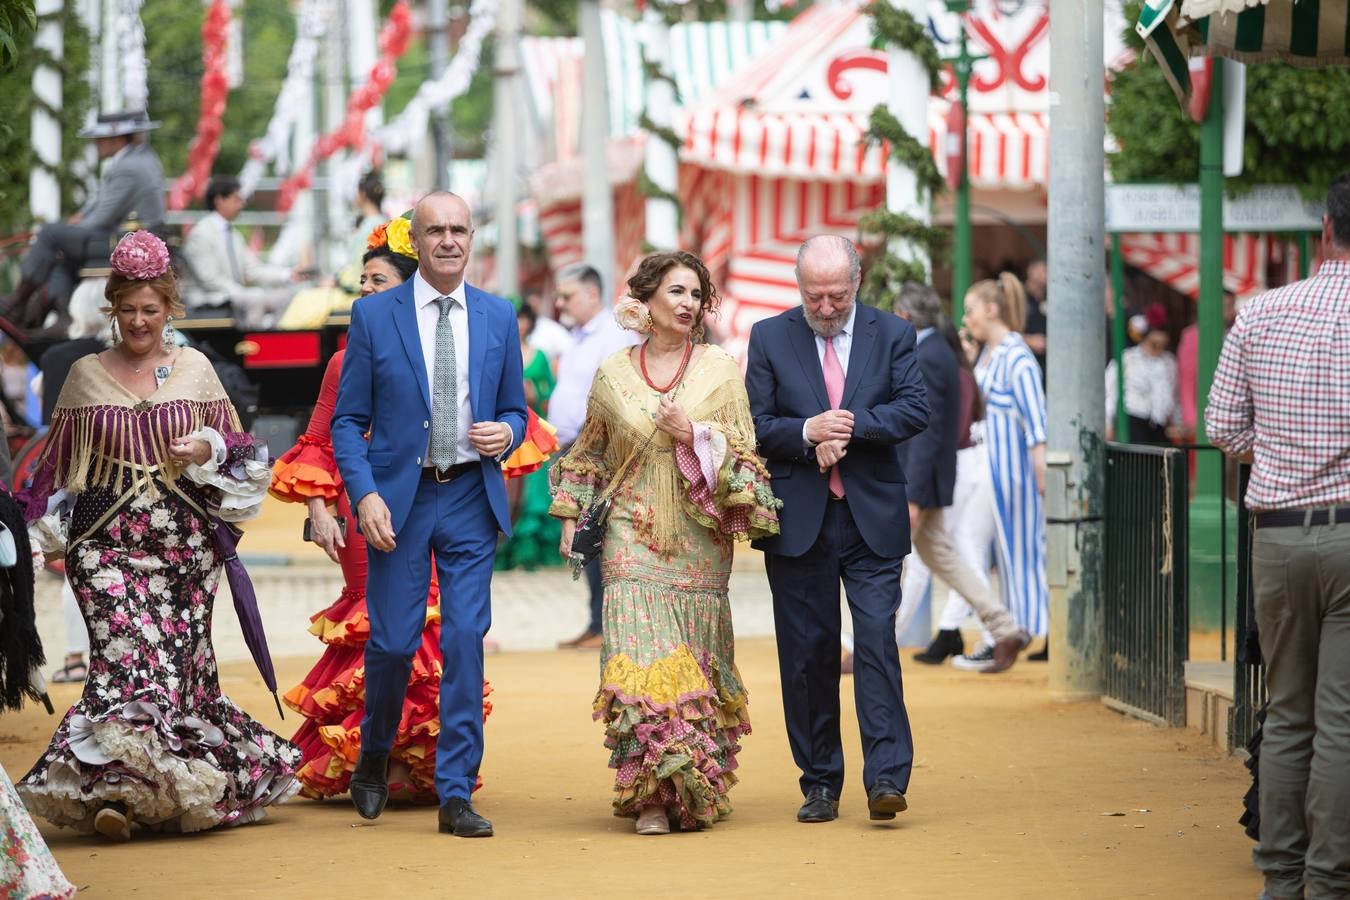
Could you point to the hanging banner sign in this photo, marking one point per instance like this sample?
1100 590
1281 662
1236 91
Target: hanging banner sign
1176 208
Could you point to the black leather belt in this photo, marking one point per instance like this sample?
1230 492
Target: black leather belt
838 499
1291 518
445 476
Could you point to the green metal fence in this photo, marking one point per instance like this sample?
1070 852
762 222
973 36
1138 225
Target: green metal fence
1146 597
1249 672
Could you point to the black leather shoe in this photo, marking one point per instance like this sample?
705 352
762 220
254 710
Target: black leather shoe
884 800
458 818
820 806
369 785
947 643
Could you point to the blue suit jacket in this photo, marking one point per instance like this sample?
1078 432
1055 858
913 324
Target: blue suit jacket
384 392
929 458
886 395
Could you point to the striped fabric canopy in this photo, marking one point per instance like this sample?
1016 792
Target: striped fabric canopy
1309 33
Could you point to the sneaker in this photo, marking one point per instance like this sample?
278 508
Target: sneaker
978 661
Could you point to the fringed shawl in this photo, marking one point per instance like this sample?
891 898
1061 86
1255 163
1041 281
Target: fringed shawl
102 432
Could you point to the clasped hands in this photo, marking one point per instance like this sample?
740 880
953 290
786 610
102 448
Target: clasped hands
831 432
189 450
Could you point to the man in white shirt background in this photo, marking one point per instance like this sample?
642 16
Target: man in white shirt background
595 335
221 269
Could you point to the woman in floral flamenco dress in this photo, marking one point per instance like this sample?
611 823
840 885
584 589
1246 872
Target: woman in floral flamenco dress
145 441
671 699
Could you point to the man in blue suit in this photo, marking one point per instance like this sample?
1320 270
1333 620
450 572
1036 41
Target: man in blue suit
433 376
834 389
929 461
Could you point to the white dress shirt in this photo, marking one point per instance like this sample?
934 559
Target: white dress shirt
843 343
592 344
428 314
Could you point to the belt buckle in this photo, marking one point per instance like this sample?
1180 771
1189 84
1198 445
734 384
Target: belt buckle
436 475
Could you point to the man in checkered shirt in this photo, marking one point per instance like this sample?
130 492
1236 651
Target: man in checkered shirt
1281 400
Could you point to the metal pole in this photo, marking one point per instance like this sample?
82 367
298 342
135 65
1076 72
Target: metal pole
1118 328
438 55
1076 290
1210 314
597 199
506 70
1304 261
963 251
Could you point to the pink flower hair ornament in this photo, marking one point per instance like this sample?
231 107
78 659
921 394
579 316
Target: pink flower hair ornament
140 256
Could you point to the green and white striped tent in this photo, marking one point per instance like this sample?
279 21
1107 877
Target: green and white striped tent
1311 33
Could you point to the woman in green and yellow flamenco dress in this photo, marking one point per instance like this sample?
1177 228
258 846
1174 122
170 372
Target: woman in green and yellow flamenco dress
670 696
534 533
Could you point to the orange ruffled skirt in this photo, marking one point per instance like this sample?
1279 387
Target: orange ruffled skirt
332 695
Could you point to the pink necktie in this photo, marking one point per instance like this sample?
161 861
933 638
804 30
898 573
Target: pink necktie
834 389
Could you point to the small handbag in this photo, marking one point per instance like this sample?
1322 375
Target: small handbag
589 538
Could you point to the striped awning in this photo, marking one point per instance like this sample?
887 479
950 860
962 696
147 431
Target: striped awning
1174 259
1006 150
1310 33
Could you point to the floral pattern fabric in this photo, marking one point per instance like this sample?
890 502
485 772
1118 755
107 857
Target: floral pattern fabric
671 699
152 730
27 869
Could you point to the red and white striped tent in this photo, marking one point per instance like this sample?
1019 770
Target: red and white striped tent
1175 260
778 154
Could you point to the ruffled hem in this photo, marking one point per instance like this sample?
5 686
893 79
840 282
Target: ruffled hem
347 622
166 772
337 683
540 443
673 729
304 472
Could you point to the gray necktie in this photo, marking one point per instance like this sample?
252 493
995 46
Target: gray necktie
444 393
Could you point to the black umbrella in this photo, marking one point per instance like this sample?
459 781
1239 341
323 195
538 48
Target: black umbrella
246 605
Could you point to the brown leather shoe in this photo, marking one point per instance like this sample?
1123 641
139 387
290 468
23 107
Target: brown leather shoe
577 641
1006 650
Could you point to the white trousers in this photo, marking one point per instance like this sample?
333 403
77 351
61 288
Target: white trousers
971 524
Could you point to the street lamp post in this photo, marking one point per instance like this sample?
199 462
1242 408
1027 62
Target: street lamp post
963 63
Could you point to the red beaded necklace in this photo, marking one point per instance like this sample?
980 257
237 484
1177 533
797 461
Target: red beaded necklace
642 364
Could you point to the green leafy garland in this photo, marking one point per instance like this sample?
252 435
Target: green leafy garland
646 187
887 273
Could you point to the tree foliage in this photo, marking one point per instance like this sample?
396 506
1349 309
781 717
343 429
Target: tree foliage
16 111
1297 129
173 47
17 18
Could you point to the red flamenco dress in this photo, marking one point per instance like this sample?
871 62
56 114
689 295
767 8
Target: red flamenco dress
332 695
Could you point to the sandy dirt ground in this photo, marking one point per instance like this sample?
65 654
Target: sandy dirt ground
1012 796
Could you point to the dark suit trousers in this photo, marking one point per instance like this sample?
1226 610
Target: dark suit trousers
806 620
57 255
453 523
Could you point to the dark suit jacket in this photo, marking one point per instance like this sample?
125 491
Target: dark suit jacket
929 458
132 183
886 395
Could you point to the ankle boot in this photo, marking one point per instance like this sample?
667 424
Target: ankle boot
947 643
12 307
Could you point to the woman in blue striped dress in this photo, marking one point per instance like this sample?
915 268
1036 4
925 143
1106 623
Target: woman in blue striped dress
1014 433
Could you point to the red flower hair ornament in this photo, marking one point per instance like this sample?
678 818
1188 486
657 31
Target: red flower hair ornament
140 256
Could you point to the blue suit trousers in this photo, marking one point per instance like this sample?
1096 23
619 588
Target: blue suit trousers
454 524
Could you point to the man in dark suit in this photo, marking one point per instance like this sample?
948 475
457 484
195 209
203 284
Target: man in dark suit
433 376
132 184
834 389
929 461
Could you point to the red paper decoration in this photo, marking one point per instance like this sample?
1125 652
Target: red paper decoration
215 89
394 39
